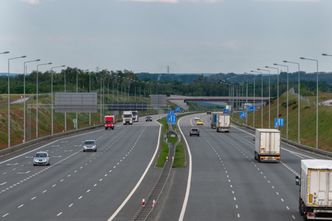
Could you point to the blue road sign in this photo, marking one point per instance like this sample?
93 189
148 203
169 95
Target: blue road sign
278 122
171 118
251 108
177 110
243 114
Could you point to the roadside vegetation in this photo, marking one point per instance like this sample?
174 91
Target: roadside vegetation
308 119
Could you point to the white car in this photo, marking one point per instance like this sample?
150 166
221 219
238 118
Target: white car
89 145
41 158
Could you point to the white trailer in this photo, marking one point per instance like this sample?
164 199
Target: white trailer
135 116
223 122
127 117
315 189
267 145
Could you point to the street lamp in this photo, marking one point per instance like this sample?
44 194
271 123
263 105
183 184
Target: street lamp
254 95
37 98
52 97
24 95
8 95
278 72
317 133
298 100
287 89
262 98
261 69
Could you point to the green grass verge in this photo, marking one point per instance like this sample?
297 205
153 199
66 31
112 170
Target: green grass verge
162 154
180 156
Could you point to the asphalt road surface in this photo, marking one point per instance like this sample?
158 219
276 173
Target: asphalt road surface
78 185
228 184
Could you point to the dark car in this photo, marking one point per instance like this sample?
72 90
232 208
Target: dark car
194 132
148 118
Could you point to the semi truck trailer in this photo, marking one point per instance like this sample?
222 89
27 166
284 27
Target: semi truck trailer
315 197
223 122
267 145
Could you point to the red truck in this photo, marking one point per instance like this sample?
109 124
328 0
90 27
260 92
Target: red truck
109 121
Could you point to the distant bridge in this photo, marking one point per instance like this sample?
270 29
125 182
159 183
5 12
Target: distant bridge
232 100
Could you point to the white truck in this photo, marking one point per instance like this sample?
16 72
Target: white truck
127 117
267 145
315 201
223 122
135 116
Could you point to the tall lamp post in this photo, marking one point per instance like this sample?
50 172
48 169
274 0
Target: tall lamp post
8 96
52 97
37 98
278 72
261 69
317 95
287 94
262 98
298 99
24 95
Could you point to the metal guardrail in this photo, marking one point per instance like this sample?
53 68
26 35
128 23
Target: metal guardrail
302 146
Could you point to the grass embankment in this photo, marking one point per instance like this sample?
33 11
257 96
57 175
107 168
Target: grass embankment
308 119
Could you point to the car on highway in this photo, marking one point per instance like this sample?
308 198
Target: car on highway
196 118
199 122
89 145
41 158
194 132
148 118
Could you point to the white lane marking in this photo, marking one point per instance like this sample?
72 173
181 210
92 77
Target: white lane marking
51 143
26 172
287 207
53 185
101 179
33 198
3 216
186 197
293 217
80 197
238 215
20 206
70 205
282 200
140 180
61 180
59 214
290 169
300 155
44 191
1 184
11 164
88 190
94 185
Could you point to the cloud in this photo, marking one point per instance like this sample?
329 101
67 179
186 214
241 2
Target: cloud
176 1
31 2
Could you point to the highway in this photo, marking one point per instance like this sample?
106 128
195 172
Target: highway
78 185
228 184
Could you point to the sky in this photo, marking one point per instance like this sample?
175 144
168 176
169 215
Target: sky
189 36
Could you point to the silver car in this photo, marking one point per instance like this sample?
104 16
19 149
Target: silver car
41 158
89 145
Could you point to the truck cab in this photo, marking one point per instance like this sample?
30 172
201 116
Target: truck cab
109 121
135 116
127 118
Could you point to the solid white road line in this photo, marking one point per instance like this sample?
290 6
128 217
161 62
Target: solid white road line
186 197
140 180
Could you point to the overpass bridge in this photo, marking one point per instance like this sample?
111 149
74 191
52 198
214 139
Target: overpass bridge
234 101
